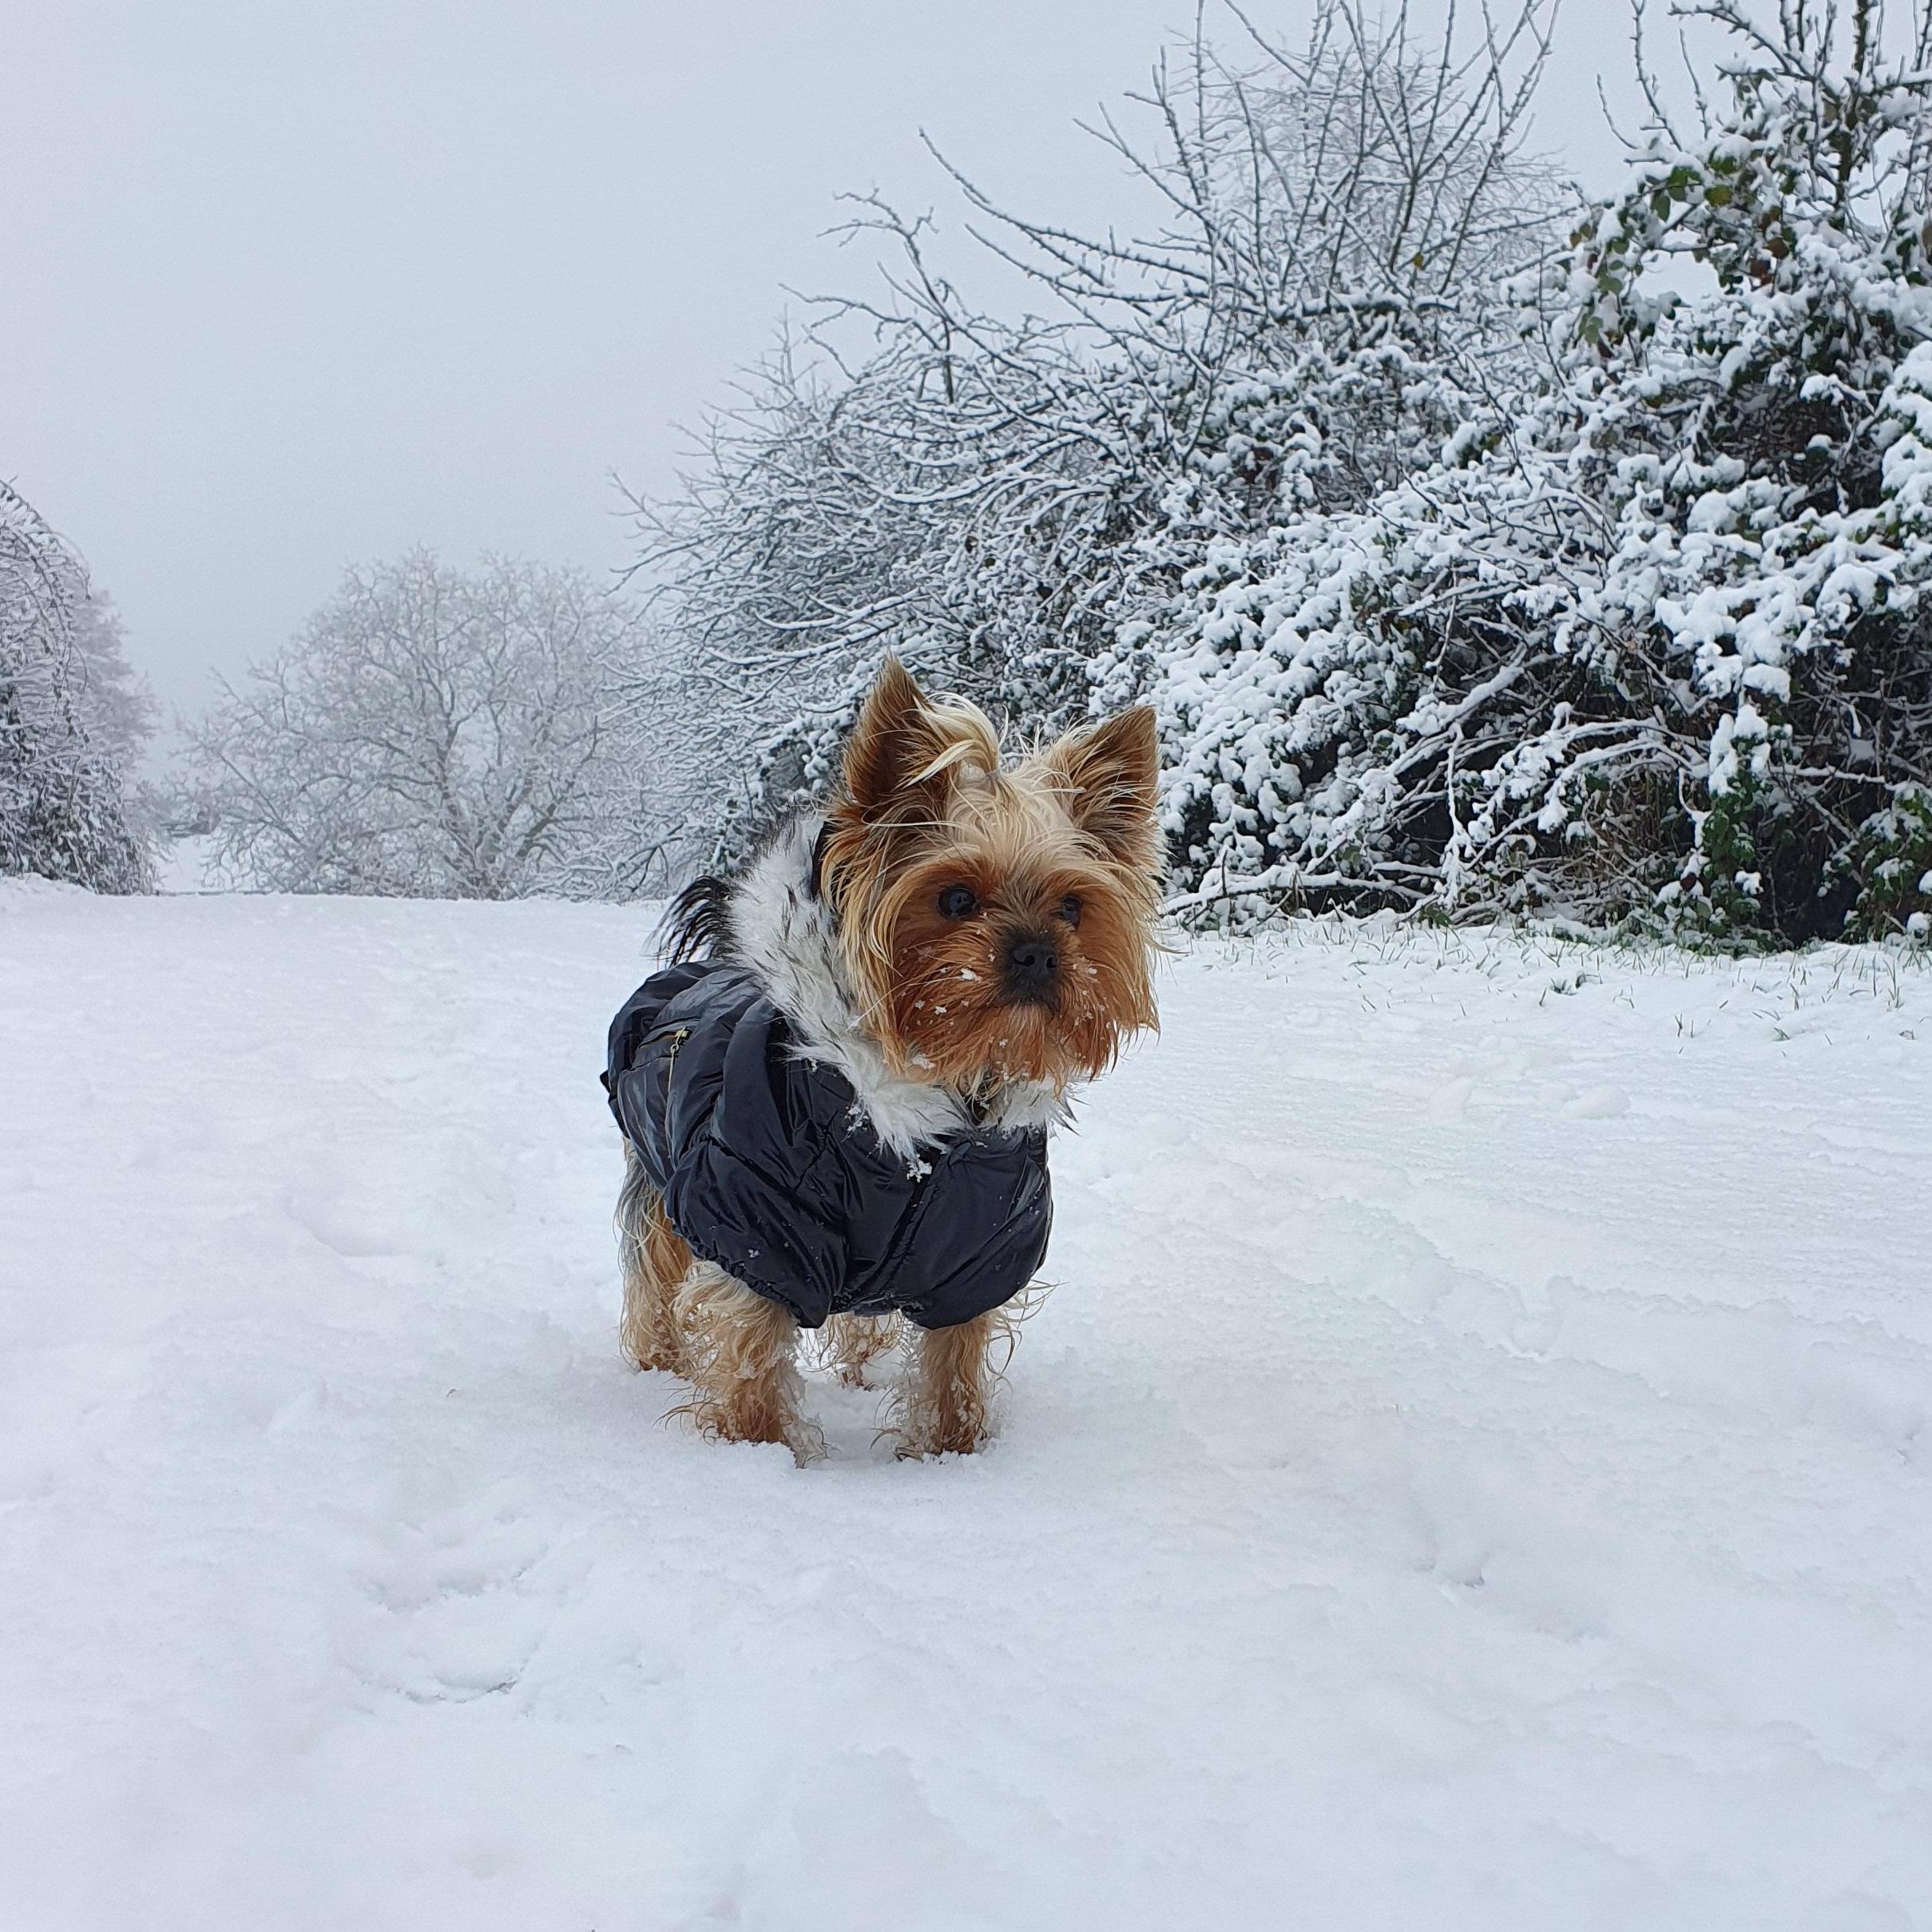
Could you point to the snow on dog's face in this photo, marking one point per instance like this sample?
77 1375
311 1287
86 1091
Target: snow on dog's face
997 922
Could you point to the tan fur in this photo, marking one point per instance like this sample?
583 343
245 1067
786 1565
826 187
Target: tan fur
945 1405
1061 845
850 1344
927 804
741 1361
736 1348
653 1260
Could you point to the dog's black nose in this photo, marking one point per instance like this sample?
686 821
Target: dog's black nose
1032 962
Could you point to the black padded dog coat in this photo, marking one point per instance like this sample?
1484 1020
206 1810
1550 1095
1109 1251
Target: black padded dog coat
768 1166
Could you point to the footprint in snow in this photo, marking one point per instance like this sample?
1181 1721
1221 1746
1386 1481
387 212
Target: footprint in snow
454 1604
1597 1104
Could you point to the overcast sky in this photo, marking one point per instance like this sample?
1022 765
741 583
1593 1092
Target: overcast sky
284 286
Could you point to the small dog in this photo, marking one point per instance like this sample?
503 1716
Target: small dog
834 1104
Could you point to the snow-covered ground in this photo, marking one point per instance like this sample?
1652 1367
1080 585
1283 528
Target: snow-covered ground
1471 1473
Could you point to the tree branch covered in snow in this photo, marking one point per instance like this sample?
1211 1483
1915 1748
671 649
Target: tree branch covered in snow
913 473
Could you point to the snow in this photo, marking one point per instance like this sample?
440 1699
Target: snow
1471 1471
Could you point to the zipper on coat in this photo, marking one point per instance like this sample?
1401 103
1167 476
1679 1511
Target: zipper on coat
677 1036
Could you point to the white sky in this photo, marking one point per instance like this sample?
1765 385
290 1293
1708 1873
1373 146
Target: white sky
285 286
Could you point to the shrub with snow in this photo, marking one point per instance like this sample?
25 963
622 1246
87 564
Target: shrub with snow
1650 642
1470 570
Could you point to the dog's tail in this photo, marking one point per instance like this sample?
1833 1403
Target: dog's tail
697 924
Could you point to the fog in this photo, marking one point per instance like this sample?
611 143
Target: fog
288 286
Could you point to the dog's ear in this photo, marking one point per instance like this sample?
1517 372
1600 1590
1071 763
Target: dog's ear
1109 775
886 745
906 744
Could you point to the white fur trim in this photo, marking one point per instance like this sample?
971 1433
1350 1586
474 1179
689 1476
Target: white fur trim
783 932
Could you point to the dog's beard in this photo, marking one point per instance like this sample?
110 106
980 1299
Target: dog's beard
940 994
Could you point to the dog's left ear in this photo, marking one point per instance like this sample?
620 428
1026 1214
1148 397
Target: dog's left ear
1108 776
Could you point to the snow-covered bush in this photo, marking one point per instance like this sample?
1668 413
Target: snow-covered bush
1650 641
1470 568
72 719
433 734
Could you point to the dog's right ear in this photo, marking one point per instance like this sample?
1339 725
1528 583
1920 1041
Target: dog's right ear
906 744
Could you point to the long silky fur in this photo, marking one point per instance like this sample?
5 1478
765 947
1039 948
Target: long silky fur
850 1344
946 1400
820 914
653 1259
741 1361
769 918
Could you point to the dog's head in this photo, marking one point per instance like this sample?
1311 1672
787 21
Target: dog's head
997 920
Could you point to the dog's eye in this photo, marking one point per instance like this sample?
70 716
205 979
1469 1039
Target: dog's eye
958 902
1069 909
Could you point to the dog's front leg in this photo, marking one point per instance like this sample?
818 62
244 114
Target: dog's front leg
945 1405
741 1359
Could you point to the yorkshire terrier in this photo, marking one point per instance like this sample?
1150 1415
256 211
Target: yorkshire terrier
835 1102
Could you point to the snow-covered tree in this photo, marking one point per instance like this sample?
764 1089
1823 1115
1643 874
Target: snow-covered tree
434 734
72 718
120 708
120 714
1316 303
